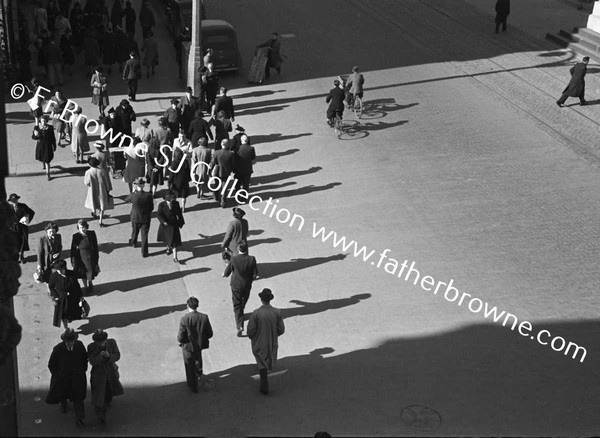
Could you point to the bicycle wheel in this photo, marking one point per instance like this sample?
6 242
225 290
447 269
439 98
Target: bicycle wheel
357 107
337 125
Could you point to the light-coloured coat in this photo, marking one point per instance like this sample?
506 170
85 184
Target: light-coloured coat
99 185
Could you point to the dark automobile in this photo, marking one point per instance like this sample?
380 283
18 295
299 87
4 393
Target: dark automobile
220 36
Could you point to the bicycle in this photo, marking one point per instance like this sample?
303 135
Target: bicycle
356 104
338 127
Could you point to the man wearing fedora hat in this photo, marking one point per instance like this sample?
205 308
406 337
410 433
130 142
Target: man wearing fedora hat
243 270
236 140
68 365
103 354
264 327
18 224
193 337
173 116
142 205
48 249
224 103
237 232
245 157
132 72
189 104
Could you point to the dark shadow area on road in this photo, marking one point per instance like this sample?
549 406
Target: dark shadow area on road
270 138
299 191
321 306
260 110
274 155
199 249
124 319
141 282
272 186
475 377
284 175
272 269
260 93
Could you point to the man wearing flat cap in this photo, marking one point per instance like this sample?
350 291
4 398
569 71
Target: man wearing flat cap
19 224
243 270
68 365
142 205
193 337
237 232
103 354
264 327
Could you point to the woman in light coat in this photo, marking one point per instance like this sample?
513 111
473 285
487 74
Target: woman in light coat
99 186
79 138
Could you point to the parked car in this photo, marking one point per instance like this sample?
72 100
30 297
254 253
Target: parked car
179 14
220 36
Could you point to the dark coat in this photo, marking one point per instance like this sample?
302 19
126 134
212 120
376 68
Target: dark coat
85 257
188 109
129 13
264 327
194 332
179 181
237 232
133 69
245 155
126 115
199 128
21 230
46 143
155 173
243 270
68 370
225 159
116 126
135 167
142 205
66 293
48 253
335 99
576 85
502 10
171 220
104 370
225 103
109 48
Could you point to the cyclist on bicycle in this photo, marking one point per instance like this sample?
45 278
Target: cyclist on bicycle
354 85
335 99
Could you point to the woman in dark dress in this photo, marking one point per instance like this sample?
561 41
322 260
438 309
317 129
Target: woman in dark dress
49 249
171 220
136 164
154 172
179 177
46 144
85 254
65 293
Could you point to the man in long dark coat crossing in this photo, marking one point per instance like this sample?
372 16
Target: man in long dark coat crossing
68 365
576 87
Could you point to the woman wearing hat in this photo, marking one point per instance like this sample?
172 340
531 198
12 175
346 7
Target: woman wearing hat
65 293
99 186
179 177
103 354
79 139
46 144
144 133
85 254
135 165
48 250
99 83
154 172
171 220
19 224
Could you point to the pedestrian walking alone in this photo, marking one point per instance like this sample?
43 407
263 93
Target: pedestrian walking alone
45 144
65 293
274 57
48 250
193 337
142 204
99 84
68 365
171 220
99 186
243 270
132 73
20 225
502 12
264 328
103 354
85 255
576 86
237 232
79 138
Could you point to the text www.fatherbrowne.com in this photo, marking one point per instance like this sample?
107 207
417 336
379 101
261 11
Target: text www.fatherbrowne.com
407 271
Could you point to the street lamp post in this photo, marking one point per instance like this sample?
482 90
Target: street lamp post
195 56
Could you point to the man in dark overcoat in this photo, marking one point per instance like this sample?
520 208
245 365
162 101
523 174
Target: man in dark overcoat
199 128
132 72
576 87
502 12
224 103
193 337
189 104
103 355
264 328
142 205
274 59
225 159
19 224
126 115
245 157
243 270
237 232
68 365
335 99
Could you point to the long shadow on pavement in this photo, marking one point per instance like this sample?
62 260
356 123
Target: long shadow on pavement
284 175
321 306
272 269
